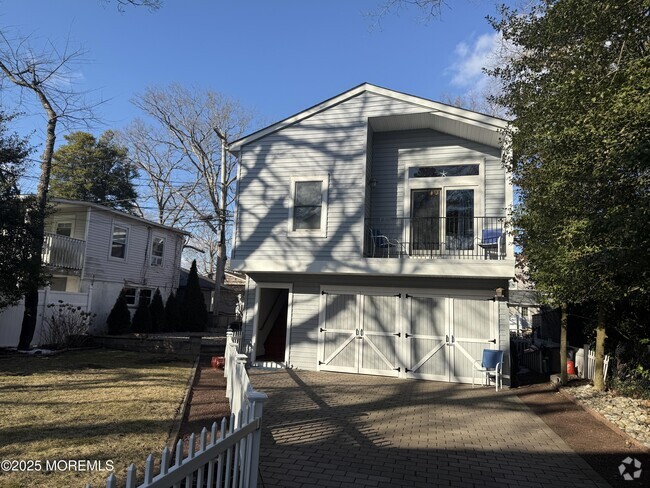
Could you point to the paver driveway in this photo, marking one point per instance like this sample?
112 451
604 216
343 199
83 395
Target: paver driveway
334 429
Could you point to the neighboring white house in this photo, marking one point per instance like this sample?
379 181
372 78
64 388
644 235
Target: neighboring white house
371 227
88 244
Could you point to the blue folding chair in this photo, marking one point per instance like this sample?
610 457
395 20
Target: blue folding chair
491 366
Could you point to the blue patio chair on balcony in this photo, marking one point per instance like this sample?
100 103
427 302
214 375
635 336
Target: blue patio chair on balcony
490 366
383 242
492 240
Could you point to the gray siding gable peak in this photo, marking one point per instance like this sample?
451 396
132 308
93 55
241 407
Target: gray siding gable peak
437 108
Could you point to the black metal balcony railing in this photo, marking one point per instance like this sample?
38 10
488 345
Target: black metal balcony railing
435 237
63 252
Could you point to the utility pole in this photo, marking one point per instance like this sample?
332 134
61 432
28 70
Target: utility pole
221 251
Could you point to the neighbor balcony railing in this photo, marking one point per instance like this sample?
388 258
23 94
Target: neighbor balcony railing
435 237
63 252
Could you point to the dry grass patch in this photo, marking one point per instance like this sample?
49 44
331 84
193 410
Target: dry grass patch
95 405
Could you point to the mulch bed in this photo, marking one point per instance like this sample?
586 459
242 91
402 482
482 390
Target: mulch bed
598 442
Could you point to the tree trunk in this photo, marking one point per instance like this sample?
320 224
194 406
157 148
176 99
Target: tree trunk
601 335
38 224
563 345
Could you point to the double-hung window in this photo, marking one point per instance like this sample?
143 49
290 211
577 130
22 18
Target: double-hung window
157 251
308 207
119 241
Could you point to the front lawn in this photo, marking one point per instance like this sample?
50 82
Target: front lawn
95 405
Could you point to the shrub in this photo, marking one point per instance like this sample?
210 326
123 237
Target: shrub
66 323
119 320
157 311
172 314
194 315
142 318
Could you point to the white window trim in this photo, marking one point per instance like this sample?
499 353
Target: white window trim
110 241
162 258
64 219
322 232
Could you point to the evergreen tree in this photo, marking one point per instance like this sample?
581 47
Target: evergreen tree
119 320
16 232
94 170
172 314
142 318
194 314
157 311
578 89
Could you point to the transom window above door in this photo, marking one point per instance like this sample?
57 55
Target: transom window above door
444 171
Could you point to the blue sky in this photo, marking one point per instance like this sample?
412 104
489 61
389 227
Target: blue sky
275 56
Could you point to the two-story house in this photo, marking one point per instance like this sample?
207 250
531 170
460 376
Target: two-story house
88 244
371 227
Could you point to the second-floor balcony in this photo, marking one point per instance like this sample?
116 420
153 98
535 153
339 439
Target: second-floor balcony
63 253
479 238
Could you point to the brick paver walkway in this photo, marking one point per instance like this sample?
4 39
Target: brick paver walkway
343 430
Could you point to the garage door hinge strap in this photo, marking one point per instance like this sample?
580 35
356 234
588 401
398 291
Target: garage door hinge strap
408 296
406 370
407 335
397 369
399 295
320 362
398 334
323 293
322 330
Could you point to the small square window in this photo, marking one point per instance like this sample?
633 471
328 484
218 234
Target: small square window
64 229
157 251
119 241
129 294
145 295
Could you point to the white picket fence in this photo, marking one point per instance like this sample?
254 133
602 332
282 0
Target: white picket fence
11 318
229 459
589 370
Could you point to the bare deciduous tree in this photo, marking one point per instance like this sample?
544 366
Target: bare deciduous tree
47 75
192 121
163 167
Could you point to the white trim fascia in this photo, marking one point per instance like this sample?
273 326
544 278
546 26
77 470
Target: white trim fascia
438 108
441 268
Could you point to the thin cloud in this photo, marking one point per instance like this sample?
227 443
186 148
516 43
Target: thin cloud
472 57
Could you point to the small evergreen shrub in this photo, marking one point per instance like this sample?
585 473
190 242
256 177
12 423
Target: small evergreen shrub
119 319
142 318
157 311
194 314
172 314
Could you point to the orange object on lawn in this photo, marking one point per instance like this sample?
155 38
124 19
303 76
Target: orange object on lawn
218 362
570 367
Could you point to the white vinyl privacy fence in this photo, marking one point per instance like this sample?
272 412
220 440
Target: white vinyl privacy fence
227 456
11 318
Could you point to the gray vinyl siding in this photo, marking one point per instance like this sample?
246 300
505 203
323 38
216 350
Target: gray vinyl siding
393 152
332 142
135 269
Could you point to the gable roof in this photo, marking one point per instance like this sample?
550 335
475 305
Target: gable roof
103 208
428 107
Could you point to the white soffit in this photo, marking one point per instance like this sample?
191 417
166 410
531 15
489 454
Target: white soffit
445 123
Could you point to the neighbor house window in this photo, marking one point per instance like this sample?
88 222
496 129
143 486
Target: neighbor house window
157 250
129 294
308 210
64 229
119 241
144 295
